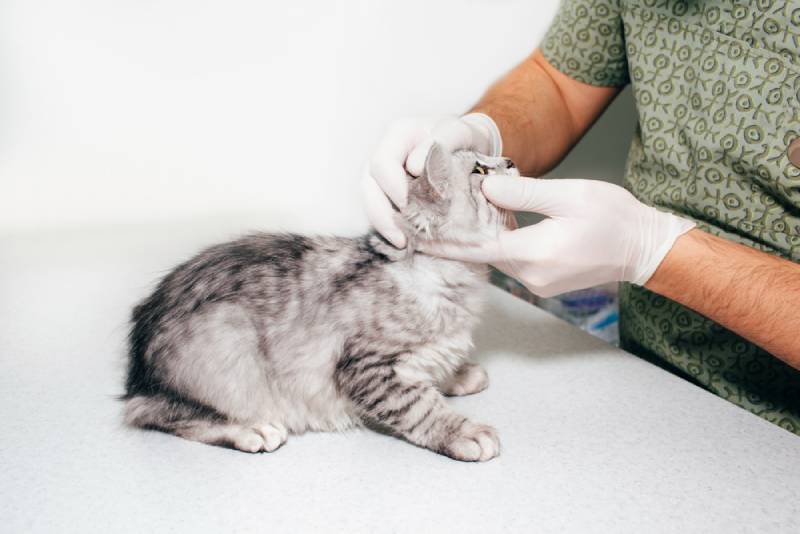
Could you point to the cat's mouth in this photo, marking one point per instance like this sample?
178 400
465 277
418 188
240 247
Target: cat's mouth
503 219
481 169
485 170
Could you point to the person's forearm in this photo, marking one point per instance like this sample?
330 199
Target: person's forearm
749 292
542 113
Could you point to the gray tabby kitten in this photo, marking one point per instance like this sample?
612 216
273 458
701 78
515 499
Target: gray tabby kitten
276 333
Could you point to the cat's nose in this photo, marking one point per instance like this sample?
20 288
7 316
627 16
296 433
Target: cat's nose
509 163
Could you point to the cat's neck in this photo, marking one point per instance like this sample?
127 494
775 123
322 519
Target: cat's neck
411 255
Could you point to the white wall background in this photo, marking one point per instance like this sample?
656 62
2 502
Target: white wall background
123 112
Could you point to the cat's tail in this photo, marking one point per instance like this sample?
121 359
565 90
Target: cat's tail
191 420
166 412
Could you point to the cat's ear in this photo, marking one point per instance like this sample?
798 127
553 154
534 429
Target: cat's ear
438 169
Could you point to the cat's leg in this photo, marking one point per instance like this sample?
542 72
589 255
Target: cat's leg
218 389
470 378
192 421
385 392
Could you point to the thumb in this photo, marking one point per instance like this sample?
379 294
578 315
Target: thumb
526 194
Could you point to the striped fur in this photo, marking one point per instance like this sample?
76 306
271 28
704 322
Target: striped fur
274 334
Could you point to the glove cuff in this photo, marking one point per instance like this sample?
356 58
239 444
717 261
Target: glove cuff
674 227
486 125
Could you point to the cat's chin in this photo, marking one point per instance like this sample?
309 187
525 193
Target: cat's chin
506 220
439 247
481 237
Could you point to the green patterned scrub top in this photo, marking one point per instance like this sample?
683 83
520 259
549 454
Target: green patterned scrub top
717 89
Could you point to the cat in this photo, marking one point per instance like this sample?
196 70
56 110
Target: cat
274 334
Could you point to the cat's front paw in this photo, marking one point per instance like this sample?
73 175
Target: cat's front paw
473 443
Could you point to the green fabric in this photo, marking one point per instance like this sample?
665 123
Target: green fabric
717 88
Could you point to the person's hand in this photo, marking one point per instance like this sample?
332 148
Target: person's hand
403 150
595 233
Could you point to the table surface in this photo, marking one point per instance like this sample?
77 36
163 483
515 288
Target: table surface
593 439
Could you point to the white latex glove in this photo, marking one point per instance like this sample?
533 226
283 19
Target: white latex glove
595 233
403 150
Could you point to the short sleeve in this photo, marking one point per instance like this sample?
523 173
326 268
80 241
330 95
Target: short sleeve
586 42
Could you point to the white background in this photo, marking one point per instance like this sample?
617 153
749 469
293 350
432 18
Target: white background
174 113
130 112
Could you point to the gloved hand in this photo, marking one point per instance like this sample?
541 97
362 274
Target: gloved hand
595 233
403 150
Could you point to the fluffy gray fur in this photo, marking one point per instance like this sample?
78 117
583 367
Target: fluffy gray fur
277 333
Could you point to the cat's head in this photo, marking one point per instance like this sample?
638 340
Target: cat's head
446 202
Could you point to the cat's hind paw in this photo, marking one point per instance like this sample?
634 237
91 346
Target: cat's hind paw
261 438
474 443
274 435
470 378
